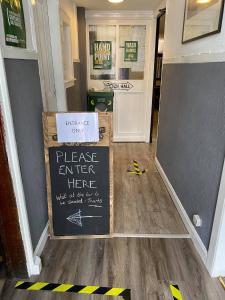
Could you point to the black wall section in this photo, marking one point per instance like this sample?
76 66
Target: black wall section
26 102
73 94
77 94
191 141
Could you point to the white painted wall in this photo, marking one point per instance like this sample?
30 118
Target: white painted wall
69 7
175 50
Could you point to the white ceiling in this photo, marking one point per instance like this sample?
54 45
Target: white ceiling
126 5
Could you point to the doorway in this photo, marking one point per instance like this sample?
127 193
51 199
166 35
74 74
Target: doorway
159 46
120 58
121 55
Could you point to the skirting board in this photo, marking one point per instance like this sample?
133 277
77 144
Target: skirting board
200 247
42 242
151 236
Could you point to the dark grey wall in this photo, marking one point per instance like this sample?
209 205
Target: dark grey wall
191 141
73 94
26 102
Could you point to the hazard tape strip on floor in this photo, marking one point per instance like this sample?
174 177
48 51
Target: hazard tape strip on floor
77 289
222 282
175 291
136 170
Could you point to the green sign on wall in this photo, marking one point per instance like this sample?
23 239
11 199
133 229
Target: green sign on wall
14 24
102 55
131 51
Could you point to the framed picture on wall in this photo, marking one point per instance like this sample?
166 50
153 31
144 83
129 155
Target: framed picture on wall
14 23
202 18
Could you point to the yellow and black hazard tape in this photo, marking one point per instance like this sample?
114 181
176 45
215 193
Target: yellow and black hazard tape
222 282
136 170
175 291
77 289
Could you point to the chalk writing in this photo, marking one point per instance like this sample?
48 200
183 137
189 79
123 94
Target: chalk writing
80 184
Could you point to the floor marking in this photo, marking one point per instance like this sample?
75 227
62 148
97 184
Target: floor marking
136 170
222 282
77 289
175 291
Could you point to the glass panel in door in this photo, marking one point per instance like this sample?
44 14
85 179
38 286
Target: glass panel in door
102 41
131 52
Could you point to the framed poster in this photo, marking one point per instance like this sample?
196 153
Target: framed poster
131 51
202 18
14 23
102 55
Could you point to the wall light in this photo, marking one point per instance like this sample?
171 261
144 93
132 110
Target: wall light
115 1
203 1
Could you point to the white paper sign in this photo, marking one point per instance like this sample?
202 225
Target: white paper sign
77 127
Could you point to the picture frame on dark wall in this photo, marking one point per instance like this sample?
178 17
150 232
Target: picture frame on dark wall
202 18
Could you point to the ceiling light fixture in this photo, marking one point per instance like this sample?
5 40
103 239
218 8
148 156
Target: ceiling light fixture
203 1
115 1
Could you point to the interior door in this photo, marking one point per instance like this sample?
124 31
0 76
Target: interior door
130 101
126 74
45 55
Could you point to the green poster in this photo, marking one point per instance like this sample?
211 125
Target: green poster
14 24
102 55
131 51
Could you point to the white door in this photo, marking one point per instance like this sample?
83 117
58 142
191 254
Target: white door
130 99
45 55
129 74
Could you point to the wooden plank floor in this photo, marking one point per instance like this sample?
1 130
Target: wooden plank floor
142 205
146 266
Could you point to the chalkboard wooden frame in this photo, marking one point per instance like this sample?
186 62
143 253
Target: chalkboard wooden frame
50 140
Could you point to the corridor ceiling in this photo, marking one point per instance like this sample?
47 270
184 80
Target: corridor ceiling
126 5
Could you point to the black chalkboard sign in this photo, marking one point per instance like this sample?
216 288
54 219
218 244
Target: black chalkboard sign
80 190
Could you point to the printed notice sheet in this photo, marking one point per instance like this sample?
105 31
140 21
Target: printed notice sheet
77 127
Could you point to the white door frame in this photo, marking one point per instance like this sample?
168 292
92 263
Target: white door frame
46 72
216 253
130 18
55 36
33 262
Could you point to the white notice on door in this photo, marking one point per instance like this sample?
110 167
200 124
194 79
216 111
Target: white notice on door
77 127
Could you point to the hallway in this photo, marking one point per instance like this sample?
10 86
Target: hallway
112 149
147 266
142 206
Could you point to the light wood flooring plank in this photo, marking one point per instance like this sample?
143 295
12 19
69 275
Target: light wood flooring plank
142 205
147 266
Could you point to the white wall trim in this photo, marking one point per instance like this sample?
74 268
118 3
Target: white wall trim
42 242
130 138
119 15
196 58
11 52
55 36
33 263
151 236
69 82
201 249
216 260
